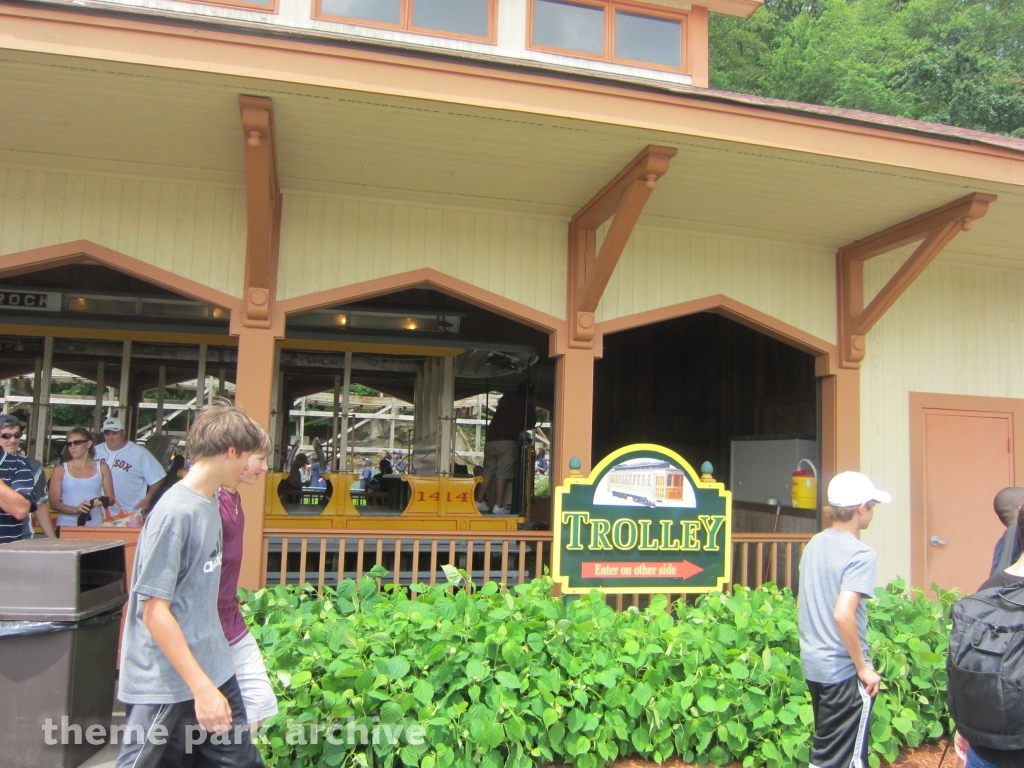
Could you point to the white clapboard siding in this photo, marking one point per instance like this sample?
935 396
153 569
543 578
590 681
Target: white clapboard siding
329 242
196 231
957 330
662 267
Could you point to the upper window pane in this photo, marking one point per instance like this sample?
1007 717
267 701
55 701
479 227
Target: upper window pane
557 24
463 17
383 11
647 38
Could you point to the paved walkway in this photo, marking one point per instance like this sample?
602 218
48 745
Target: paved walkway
103 759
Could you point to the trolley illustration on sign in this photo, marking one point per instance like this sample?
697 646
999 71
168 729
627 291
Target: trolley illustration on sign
646 482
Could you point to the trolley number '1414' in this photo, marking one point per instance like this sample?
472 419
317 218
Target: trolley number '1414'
436 496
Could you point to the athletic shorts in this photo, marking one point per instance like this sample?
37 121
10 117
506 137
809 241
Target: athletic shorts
842 716
251 673
500 458
166 735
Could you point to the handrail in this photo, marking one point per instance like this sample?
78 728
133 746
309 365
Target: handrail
353 533
324 557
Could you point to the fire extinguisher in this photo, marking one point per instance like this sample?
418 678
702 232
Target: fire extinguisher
805 486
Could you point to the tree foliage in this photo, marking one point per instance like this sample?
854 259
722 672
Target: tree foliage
959 62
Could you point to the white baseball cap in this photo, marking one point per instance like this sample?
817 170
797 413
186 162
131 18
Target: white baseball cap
113 424
851 489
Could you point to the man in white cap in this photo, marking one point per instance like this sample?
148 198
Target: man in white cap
136 472
837 573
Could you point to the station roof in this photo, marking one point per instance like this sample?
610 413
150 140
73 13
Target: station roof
405 129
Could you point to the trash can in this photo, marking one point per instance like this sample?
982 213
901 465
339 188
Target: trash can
60 617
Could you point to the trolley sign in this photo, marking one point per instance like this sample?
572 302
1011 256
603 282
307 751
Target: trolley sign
643 521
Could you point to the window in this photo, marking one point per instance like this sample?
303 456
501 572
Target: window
648 39
470 19
379 11
573 27
609 30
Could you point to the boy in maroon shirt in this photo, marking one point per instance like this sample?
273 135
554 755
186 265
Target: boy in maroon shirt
250 670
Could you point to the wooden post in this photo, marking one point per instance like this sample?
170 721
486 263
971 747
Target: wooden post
255 357
101 390
43 412
160 394
122 393
33 421
391 435
336 457
346 386
277 406
201 377
574 395
479 417
447 415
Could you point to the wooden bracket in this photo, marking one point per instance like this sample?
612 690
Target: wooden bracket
935 229
590 270
263 209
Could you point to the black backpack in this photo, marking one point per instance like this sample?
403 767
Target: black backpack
985 667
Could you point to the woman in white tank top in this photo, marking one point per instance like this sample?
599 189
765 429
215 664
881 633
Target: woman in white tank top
75 485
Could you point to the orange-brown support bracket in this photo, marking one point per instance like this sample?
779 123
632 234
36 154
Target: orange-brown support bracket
621 200
263 209
935 229
256 324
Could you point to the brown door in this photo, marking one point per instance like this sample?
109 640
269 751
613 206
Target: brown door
968 458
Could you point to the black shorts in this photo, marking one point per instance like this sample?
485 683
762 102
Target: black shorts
842 718
169 736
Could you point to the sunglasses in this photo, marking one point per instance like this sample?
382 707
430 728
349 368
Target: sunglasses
10 435
78 442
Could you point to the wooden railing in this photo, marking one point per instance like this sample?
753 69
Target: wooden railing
318 557
322 558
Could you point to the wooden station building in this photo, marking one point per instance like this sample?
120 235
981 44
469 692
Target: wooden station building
423 195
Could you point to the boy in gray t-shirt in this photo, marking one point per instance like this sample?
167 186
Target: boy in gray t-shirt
176 667
837 572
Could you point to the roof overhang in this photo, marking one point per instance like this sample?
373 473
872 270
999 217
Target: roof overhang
123 97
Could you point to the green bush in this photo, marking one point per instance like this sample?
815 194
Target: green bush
519 678
542 486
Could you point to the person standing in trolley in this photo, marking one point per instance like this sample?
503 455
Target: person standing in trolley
136 472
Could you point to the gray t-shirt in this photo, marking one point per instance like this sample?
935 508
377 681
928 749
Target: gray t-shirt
833 562
178 559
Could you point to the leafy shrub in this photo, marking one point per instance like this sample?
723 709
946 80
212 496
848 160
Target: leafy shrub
542 486
520 678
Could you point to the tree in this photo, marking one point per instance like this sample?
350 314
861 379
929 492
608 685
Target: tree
959 62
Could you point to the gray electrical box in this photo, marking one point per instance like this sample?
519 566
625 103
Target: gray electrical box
762 467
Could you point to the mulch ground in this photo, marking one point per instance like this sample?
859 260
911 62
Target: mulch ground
925 756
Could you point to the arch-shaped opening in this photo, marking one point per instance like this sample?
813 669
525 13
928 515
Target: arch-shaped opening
414 358
714 389
89 333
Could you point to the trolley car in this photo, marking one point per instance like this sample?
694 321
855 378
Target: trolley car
650 483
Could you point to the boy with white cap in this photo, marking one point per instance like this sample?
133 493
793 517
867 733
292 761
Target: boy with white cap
136 472
836 572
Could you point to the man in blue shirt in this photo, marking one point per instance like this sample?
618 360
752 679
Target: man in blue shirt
17 496
10 440
366 475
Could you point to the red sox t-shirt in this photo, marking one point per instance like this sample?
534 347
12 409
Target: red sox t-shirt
133 470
